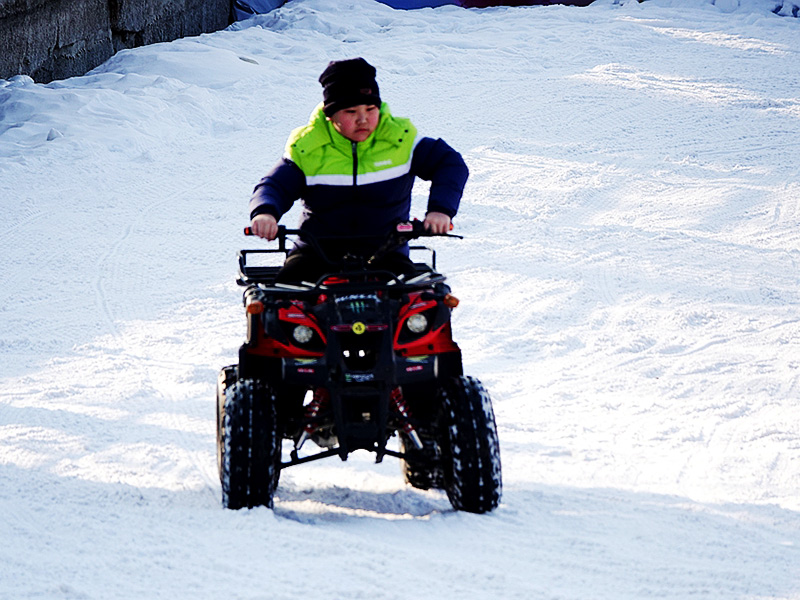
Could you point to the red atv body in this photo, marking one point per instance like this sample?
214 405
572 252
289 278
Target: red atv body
347 363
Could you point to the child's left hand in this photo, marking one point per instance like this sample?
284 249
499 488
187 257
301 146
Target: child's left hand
437 223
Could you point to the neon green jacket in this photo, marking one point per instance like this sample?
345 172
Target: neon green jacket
363 188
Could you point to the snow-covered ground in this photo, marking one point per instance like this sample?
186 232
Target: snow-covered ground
630 287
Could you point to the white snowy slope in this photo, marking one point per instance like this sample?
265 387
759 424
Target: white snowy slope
629 285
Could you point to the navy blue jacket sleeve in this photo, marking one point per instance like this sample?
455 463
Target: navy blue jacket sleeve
437 162
278 190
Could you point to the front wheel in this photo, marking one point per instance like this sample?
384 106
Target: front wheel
248 445
470 447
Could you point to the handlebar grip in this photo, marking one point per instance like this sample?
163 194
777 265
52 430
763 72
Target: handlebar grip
282 231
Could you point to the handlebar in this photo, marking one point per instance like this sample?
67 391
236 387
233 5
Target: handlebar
407 229
403 232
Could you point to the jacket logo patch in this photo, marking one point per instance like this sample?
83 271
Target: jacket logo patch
383 163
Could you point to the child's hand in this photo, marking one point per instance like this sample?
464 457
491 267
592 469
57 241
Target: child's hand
437 223
265 226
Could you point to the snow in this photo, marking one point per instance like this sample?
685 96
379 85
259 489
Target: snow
629 285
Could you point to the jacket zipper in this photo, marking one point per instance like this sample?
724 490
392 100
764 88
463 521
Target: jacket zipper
355 162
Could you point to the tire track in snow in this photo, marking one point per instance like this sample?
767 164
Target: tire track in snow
108 265
9 235
40 442
101 296
152 336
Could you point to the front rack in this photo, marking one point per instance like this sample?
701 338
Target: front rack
264 275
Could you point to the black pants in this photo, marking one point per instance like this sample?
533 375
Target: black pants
304 264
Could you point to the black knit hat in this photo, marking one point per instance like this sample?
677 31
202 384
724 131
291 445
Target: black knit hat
347 83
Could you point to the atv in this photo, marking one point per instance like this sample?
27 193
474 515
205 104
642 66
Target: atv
347 363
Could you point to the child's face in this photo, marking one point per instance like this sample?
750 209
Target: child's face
357 122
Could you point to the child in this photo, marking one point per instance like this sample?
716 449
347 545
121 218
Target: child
354 165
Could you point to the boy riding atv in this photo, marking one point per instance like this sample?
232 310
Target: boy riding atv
354 166
349 343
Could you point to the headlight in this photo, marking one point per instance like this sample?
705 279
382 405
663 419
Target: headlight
302 334
417 323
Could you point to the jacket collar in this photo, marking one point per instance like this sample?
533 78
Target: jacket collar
321 131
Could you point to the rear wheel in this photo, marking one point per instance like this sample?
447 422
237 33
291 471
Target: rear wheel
470 447
226 378
249 445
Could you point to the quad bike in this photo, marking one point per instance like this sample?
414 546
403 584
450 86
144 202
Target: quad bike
348 362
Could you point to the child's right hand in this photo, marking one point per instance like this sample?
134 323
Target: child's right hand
265 226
